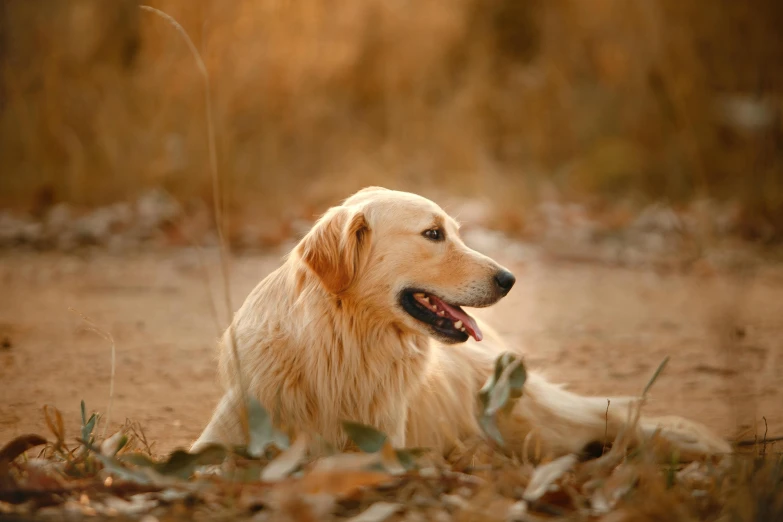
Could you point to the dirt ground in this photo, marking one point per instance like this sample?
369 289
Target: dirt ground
601 329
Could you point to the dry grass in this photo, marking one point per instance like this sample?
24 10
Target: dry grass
293 477
605 102
601 102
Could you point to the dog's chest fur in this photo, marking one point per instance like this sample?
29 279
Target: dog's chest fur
328 363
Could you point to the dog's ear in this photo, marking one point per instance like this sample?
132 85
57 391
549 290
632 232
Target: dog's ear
334 247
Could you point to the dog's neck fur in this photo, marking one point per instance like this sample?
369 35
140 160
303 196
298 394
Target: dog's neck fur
362 367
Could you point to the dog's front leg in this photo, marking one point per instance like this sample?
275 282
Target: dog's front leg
394 424
397 437
224 427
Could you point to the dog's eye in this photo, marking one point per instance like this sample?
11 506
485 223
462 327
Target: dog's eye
434 234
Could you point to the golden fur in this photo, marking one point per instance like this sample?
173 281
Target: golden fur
324 339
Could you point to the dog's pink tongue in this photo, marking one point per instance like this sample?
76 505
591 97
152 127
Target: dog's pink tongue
458 314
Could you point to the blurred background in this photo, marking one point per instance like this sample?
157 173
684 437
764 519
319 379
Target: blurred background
608 104
624 159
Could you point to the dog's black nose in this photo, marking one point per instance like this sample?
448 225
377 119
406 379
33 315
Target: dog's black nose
505 280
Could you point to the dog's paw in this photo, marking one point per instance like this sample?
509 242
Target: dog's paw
691 439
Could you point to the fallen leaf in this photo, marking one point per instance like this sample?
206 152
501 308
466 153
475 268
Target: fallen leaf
262 431
615 487
180 463
389 459
115 466
407 457
341 483
367 438
509 383
487 424
113 444
287 461
347 462
506 382
19 445
545 475
42 474
137 504
378 512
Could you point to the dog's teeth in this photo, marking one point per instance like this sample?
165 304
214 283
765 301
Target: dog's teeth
425 298
462 329
419 295
441 313
458 325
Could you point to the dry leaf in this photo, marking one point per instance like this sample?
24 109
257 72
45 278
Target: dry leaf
287 461
378 512
605 498
545 475
135 506
42 474
347 462
390 460
112 445
342 483
55 424
19 445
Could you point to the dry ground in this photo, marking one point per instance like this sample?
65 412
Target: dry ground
601 329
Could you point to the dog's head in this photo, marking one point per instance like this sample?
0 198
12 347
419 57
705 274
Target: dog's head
400 255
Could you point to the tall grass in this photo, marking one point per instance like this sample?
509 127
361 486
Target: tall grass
596 101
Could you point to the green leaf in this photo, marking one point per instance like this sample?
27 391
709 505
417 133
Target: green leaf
87 424
517 375
324 447
506 382
87 428
407 457
671 474
500 363
115 466
180 463
262 431
498 397
367 438
138 459
487 424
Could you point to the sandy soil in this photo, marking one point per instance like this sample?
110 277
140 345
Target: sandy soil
601 329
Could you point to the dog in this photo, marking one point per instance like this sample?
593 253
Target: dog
364 321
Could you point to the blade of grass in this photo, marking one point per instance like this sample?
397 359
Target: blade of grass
216 199
106 335
655 376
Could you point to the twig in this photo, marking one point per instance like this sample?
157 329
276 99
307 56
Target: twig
216 198
106 335
138 432
753 442
606 426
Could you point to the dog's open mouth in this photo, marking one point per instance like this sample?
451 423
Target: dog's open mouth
446 319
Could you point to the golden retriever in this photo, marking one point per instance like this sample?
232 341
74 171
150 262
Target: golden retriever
364 322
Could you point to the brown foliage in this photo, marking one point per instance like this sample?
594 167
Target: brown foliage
602 100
